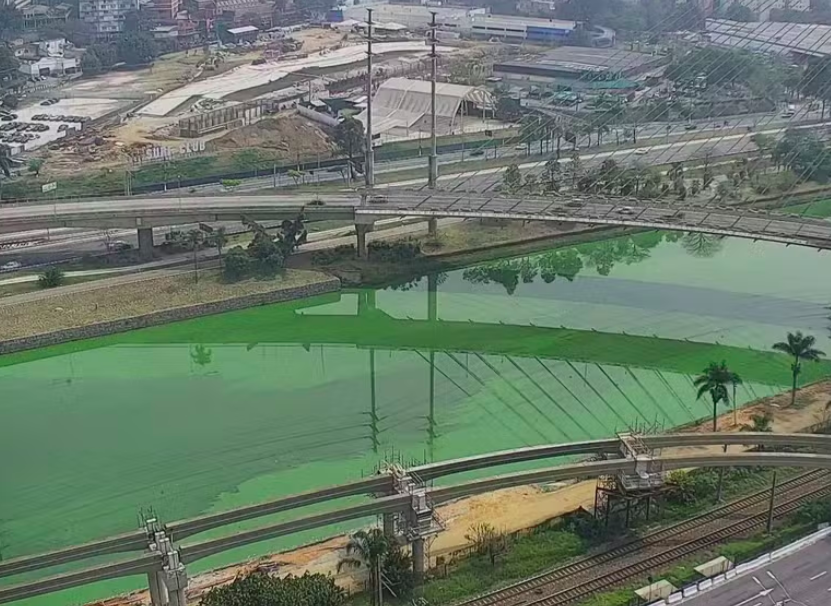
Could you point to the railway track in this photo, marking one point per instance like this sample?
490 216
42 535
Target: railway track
588 575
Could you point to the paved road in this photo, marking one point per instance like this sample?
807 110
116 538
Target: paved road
803 579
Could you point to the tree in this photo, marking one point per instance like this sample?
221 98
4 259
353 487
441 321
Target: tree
512 179
368 548
52 277
11 101
219 239
35 164
507 109
486 541
195 238
530 184
238 264
91 63
297 175
349 136
11 20
551 173
529 130
739 12
260 589
136 48
816 81
714 381
800 347
266 254
137 21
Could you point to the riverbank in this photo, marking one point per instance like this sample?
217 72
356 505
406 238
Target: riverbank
112 305
510 510
457 245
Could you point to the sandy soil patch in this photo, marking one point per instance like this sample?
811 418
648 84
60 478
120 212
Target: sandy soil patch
318 38
128 296
510 509
289 134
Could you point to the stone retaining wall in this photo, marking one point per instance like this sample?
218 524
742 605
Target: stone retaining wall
169 315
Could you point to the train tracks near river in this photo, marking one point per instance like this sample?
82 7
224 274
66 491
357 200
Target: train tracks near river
636 559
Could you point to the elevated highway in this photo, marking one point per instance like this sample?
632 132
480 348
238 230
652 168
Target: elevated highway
166 555
146 213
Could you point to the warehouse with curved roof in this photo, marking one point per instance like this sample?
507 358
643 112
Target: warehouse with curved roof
403 104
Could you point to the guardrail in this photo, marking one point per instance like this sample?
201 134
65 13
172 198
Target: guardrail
692 591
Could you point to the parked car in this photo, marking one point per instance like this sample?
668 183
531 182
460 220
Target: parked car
11 265
118 246
641 151
378 199
625 210
477 152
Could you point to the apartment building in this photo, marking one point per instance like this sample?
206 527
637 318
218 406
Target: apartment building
106 16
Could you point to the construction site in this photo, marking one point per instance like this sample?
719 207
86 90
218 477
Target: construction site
207 102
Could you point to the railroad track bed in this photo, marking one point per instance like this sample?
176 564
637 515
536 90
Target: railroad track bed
636 559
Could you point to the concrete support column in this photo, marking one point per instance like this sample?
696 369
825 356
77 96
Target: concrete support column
360 233
177 585
432 297
363 225
432 227
389 524
418 561
156 589
145 243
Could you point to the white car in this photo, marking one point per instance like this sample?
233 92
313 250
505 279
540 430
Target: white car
625 210
10 266
641 151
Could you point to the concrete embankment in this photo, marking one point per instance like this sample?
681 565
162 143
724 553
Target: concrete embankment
105 308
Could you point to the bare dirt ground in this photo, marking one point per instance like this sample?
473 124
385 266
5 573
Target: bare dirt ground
290 135
508 510
318 38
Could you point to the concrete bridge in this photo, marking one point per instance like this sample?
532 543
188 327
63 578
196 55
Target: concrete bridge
146 213
402 497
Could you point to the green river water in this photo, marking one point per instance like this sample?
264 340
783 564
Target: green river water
228 410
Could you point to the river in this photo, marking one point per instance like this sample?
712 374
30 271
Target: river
209 414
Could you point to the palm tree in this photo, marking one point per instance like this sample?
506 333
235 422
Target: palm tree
219 239
714 380
368 547
801 347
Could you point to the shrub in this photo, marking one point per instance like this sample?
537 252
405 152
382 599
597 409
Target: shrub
332 255
260 589
238 264
230 182
393 252
52 277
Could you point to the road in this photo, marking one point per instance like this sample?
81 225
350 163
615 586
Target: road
803 579
73 243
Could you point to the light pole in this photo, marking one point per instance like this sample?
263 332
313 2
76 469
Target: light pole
369 169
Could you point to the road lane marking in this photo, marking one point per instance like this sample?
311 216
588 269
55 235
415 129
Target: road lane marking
818 576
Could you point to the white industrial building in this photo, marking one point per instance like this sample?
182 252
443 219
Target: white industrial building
798 39
401 107
476 23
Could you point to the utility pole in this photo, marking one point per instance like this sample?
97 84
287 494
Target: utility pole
433 160
369 169
772 500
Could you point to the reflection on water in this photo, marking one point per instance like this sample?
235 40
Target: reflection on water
601 256
233 409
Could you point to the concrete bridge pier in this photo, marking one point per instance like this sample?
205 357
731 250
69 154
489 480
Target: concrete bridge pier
145 243
418 561
389 524
363 225
432 227
176 580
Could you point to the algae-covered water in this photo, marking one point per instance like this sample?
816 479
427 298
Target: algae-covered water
214 413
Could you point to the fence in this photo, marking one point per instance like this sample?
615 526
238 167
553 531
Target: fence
691 591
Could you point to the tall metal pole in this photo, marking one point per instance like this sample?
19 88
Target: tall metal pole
433 159
369 169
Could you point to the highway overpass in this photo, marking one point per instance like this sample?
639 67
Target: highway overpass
166 554
146 213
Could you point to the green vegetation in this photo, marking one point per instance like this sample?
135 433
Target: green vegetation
800 347
389 568
52 277
266 254
261 589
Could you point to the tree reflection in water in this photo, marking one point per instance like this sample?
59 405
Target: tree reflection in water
601 256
